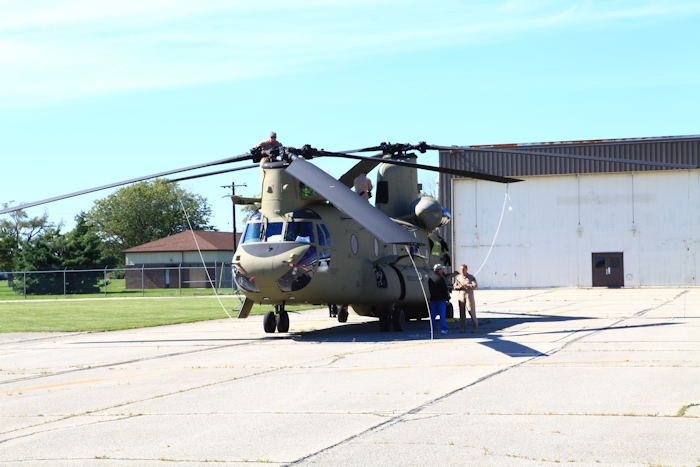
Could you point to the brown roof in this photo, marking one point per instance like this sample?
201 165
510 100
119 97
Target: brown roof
184 241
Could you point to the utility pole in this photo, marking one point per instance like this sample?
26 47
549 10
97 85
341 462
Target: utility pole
233 186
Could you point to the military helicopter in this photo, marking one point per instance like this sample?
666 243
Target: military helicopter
315 241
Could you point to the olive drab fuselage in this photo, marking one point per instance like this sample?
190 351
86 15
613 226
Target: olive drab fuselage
299 249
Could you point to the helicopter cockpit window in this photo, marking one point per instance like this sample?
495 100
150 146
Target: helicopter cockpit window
252 232
253 229
273 232
300 232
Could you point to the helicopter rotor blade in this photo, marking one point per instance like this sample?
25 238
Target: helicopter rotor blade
388 148
366 166
350 203
208 174
241 157
446 170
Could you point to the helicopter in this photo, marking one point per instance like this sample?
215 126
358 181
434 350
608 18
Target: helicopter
314 241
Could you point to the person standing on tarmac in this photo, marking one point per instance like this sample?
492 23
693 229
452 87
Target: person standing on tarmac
465 284
439 295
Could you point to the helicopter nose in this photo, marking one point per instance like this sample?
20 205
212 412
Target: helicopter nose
264 263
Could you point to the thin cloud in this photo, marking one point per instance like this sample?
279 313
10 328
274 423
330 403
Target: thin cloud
53 50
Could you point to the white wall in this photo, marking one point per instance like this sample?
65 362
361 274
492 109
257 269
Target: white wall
177 257
552 224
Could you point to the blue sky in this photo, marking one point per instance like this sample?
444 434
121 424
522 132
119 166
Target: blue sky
96 92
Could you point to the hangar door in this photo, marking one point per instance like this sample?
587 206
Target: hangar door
608 270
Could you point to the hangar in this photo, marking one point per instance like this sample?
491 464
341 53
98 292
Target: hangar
576 222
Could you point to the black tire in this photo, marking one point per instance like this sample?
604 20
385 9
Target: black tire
343 314
384 321
282 321
398 319
269 322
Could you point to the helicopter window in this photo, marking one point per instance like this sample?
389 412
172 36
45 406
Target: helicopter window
273 232
252 232
376 247
256 216
354 244
328 234
321 237
300 232
305 214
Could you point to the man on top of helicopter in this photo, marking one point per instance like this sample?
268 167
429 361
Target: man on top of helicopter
363 186
266 144
269 143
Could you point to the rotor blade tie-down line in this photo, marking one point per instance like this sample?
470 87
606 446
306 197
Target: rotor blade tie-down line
427 304
201 257
505 200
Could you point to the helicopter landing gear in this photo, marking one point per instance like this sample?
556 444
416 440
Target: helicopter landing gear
278 319
384 320
393 317
398 319
343 314
332 310
282 321
269 322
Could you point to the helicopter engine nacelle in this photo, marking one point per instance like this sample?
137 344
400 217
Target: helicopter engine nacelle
429 214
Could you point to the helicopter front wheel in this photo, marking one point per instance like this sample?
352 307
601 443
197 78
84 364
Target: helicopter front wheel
269 322
282 319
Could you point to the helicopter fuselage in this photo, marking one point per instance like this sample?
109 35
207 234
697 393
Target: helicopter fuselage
299 249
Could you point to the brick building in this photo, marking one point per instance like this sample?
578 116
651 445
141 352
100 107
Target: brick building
174 261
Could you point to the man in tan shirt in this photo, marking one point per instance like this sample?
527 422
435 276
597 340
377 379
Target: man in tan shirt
363 185
465 284
266 144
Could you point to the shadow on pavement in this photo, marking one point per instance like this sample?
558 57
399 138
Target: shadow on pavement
489 333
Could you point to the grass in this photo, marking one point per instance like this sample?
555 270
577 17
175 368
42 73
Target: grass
115 288
101 314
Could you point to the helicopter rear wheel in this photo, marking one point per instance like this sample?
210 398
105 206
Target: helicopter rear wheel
282 321
384 320
332 311
269 322
343 314
398 319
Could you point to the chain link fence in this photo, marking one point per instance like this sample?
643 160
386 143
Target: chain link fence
130 281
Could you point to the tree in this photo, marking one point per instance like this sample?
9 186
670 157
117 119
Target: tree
250 209
144 212
79 249
429 187
19 228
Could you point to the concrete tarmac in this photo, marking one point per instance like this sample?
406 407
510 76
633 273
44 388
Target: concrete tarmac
592 377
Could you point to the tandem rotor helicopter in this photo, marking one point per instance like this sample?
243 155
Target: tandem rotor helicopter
315 241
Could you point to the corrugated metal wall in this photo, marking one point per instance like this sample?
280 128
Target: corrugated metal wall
675 149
